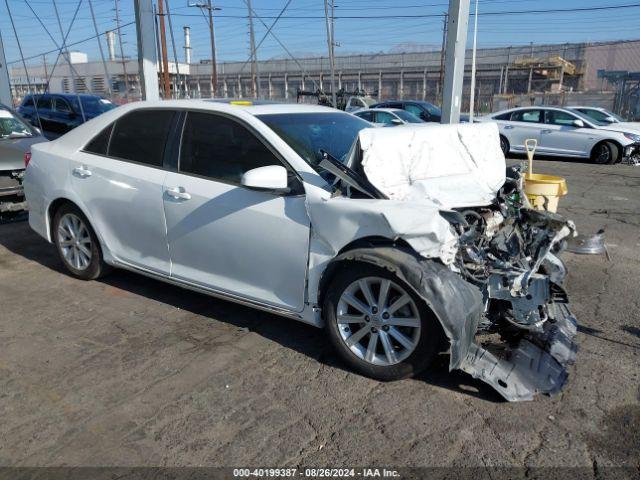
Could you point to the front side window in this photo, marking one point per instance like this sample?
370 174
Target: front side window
414 109
556 117
219 148
408 117
384 117
28 102
140 136
529 116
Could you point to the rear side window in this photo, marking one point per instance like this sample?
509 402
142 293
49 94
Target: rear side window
219 148
504 116
44 103
384 117
28 102
556 117
368 116
141 136
62 105
531 116
100 142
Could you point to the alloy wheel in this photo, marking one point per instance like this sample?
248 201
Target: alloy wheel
74 241
378 321
603 154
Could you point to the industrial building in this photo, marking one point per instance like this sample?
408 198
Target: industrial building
506 76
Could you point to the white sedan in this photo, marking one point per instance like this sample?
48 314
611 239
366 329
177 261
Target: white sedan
306 212
388 117
565 133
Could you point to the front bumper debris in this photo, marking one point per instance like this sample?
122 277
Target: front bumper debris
537 363
631 154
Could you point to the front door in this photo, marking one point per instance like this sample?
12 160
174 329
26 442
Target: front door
227 237
524 125
561 136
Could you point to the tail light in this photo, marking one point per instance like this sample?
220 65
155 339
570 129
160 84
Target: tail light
27 159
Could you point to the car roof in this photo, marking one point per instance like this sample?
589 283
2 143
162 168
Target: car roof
380 109
229 106
64 95
586 107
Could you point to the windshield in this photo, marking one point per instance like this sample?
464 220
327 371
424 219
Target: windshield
309 133
407 116
92 105
12 127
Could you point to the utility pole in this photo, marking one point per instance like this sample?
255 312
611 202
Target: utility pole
472 97
124 62
107 77
147 53
165 59
5 82
442 51
255 75
214 66
330 46
457 25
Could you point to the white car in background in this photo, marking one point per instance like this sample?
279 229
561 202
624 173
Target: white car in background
564 133
603 117
309 213
388 117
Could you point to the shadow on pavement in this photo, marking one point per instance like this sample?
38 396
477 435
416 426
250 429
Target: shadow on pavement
305 339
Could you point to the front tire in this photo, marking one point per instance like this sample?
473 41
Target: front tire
378 325
605 153
77 243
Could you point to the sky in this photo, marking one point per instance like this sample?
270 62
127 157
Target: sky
397 25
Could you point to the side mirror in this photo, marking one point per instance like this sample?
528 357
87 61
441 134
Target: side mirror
396 121
610 120
271 178
578 123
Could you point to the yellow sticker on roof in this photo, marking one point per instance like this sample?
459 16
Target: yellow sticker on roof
245 103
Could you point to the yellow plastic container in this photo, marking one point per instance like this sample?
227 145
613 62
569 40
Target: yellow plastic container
544 191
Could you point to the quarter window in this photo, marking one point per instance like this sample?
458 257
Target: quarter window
62 106
100 142
140 136
219 148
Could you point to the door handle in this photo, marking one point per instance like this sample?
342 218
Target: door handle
508 127
82 171
546 131
178 193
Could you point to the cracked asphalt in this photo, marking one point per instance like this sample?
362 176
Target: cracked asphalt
129 371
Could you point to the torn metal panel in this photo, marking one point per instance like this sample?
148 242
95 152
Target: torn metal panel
452 165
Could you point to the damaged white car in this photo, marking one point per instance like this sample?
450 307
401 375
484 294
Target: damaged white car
397 241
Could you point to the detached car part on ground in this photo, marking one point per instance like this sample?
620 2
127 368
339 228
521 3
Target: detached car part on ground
16 138
397 241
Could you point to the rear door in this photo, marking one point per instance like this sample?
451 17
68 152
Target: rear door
221 235
561 137
524 124
62 116
119 176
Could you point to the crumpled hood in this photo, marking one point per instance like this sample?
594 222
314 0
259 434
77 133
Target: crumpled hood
453 166
622 127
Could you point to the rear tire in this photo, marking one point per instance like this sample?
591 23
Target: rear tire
405 339
605 153
504 145
77 243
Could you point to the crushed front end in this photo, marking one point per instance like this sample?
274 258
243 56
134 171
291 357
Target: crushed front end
11 191
509 251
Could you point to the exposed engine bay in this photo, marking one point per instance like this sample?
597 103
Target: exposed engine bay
11 191
498 290
510 252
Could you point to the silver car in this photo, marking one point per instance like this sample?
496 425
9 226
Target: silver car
564 133
16 137
388 117
603 117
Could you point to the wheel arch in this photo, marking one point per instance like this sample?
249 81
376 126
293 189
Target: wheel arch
456 303
608 140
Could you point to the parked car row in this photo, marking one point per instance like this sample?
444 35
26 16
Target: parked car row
567 132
